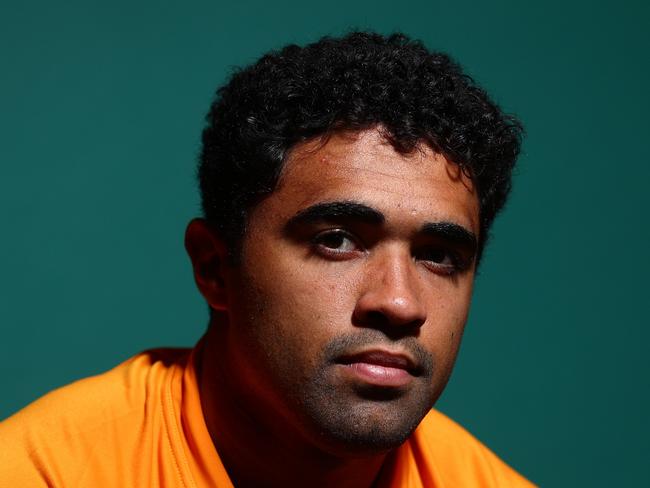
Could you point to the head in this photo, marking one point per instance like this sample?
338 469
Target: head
348 188
418 97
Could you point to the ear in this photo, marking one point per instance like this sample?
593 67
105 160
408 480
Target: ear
208 254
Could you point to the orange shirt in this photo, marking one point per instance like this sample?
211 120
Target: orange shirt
141 425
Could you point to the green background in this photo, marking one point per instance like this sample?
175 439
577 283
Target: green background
101 107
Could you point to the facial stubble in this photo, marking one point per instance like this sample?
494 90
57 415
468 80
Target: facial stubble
355 419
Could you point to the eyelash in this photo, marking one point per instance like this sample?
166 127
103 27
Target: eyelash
319 239
456 264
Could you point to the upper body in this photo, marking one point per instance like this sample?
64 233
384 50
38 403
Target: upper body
348 188
141 424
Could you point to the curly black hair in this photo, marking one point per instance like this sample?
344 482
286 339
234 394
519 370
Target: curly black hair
355 82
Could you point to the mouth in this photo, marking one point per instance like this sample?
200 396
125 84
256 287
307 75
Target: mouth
379 368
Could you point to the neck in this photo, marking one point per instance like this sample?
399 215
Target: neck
258 449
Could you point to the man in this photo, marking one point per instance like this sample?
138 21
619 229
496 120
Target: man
348 189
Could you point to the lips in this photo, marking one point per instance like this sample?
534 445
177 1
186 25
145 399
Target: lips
379 367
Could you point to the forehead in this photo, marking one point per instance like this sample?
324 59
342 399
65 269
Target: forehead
364 167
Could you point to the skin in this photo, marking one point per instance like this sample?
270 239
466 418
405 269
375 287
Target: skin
283 381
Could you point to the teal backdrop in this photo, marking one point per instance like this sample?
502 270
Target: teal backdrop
101 108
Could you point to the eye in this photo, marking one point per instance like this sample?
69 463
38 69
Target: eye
335 243
440 260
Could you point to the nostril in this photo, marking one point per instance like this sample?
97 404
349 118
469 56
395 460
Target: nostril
376 318
391 328
381 320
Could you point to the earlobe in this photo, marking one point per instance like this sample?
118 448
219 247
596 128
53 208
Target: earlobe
208 254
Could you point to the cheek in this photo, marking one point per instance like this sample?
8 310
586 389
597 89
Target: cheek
443 331
292 312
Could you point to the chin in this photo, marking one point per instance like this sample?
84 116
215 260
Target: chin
355 418
365 427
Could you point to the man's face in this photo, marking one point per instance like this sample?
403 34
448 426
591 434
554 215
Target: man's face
346 311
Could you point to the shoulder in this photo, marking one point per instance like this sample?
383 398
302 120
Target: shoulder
460 459
49 442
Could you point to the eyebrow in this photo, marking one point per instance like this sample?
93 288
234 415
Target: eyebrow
452 233
335 211
345 209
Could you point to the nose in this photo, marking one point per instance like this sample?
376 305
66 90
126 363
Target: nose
391 296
